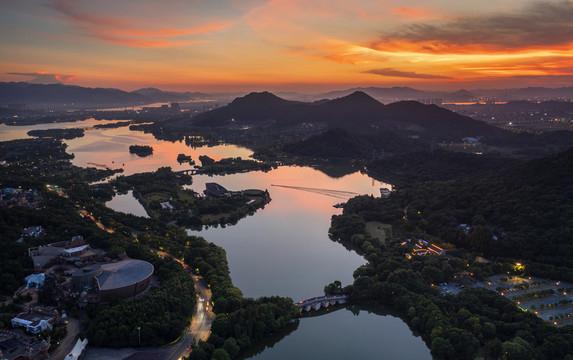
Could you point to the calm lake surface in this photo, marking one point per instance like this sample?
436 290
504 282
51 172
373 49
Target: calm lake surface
344 335
128 204
282 249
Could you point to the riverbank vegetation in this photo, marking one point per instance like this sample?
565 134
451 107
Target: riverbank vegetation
511 210
231 165
163 312
164 198
240 322
504 220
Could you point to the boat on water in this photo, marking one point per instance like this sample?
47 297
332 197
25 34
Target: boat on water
384 192
339 205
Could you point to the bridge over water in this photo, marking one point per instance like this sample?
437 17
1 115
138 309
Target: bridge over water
190 171
321 302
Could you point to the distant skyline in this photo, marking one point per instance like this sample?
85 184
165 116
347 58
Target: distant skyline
287 45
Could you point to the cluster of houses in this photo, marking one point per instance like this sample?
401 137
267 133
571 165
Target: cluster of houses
16 346
422 247
32 232
10 197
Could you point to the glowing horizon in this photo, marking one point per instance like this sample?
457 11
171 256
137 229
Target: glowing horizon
288 45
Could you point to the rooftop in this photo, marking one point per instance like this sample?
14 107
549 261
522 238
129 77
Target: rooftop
76 249
123 273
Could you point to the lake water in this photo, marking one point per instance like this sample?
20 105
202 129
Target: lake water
282 249
345 335
128 204
20 132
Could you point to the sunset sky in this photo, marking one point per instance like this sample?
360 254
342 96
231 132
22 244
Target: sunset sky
288 45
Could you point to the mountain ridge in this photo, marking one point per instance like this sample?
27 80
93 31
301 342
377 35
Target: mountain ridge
22 92
357 112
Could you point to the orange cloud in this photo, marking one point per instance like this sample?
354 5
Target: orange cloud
339 51
43 77
130 32
405 74
417 12
536 26
65 78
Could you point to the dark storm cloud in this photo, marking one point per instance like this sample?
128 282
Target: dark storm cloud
537 24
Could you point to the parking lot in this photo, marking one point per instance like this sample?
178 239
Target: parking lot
451 288
549 300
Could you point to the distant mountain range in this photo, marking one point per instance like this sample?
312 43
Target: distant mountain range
393 94
77 96
357 112
59 94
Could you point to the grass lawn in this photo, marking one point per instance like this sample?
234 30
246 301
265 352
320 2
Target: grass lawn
379 230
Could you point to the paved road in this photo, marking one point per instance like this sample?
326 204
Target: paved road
68 342
200 329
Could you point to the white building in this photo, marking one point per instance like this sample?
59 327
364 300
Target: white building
33 322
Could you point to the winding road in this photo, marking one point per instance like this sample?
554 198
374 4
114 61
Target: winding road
200 329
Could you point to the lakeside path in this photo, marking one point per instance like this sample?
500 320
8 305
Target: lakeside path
200 329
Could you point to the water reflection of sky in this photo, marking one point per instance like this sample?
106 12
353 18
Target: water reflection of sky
128 204
20 132
284 248
110 147
344 335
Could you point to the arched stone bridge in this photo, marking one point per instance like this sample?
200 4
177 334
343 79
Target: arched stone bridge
321 302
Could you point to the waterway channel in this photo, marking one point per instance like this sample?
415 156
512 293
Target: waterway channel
282 249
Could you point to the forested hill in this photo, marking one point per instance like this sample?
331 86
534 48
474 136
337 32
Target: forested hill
435 121
341 143
357 112
523 211
415 167
253 108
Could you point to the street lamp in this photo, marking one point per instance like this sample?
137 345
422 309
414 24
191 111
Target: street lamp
139 335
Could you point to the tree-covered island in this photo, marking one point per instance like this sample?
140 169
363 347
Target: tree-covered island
141 150
58 133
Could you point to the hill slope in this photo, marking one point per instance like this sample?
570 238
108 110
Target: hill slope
21 92
357 112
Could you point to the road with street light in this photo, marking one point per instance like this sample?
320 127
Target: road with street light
200 327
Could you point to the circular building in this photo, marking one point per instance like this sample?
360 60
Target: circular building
124 279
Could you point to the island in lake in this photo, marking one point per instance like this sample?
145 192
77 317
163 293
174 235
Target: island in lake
66 134
141 150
